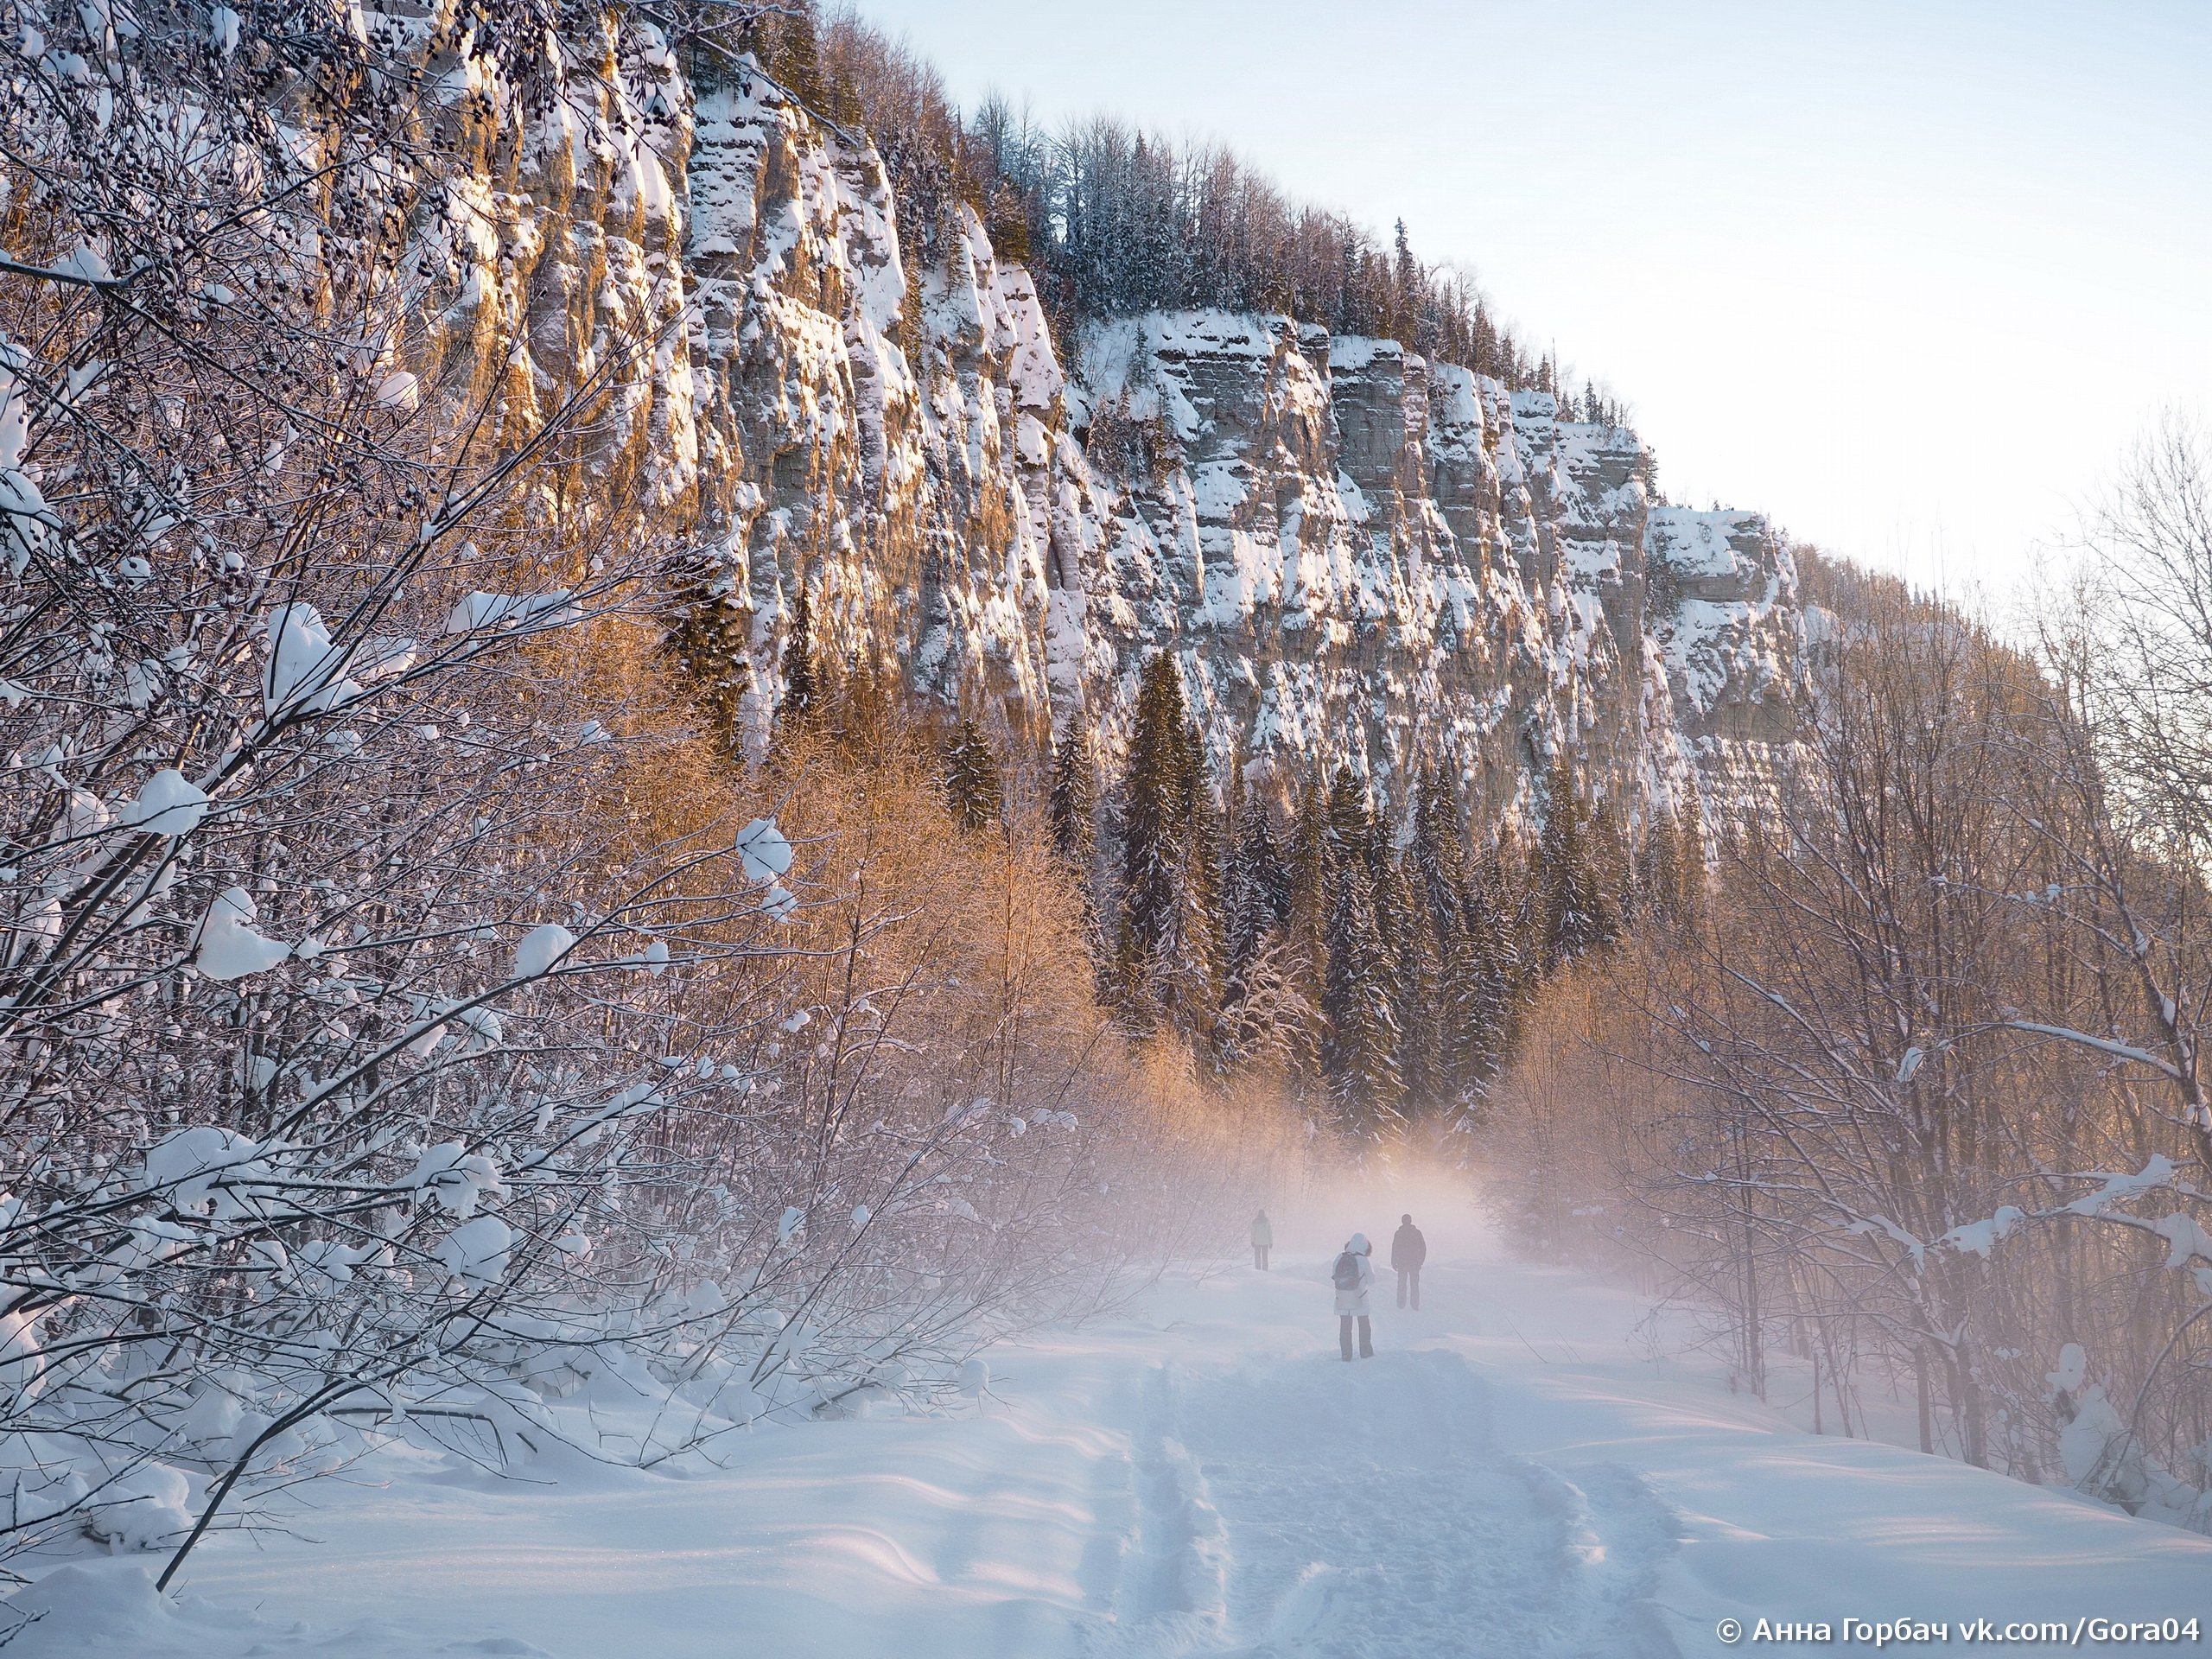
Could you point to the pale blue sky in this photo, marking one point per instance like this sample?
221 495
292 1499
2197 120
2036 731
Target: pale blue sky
1908 276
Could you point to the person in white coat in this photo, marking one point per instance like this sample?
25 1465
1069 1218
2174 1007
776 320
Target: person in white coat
1352 1276
1264 1240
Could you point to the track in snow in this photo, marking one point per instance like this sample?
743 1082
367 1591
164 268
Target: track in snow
1517 1474
1311 1508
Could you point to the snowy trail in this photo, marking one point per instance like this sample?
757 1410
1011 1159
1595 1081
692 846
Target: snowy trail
1368 1510
1514 1473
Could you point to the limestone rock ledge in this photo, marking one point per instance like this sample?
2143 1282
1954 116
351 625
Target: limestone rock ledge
1354 553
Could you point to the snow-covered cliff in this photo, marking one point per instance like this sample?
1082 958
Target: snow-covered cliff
1354 553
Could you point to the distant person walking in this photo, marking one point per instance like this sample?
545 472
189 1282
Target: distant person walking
1409 1249
1264 1240
1352 1275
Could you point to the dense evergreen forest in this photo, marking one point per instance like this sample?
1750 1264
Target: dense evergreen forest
1366 961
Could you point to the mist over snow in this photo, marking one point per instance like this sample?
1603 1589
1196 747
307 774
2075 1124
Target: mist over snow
1526 1460
787 861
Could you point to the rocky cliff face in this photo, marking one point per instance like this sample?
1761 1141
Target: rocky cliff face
1355 555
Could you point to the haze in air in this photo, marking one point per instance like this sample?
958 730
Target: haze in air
1141 833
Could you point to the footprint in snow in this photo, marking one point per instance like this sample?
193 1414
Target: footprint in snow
1307 1608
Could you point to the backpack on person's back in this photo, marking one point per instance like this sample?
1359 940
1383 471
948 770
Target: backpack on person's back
1351 1275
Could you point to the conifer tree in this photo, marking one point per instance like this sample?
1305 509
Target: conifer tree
784 41
1498 963
1464 1030
1256 895
1576 912
1204 852
1689 888
709 643
802 690
1071 814
1511 875
1478 1000
1359 1050
1307 857
1405 276
1072 805
1265 1016
973 789
1438 845
1613 868
1165 959
1304 846
1413 962
1669 874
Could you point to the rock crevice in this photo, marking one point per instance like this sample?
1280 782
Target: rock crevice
1355 555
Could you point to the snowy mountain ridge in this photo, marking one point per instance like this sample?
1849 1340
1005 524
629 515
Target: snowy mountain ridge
1356 555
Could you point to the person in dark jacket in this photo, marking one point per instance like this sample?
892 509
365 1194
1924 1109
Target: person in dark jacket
1264 1240
1409 1249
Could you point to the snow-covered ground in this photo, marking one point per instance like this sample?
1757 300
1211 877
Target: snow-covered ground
1514 1473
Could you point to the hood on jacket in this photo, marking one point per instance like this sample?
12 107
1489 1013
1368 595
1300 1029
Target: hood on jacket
1359 1245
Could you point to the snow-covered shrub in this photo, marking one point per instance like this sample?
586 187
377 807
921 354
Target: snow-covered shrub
872 1213
1919 1102
296 642
405 1020
2104 1456
148 1506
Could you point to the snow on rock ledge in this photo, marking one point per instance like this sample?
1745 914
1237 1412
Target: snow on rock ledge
1354 554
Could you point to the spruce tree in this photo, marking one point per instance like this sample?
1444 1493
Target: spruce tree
972 787
1151 855
1071 813
709 642
1497 966
1689 888
1264 1014
1256 897
1460 1040
1307 856
1576 912
1512 875
1669 874
1438 845
802 690
1476 998
1073 806
1413 962
1166 957
1204 849
1613 868
1305 955
1359 1048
